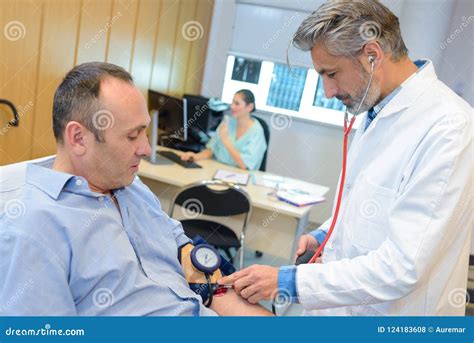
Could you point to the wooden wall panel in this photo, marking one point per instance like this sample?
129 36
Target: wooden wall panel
96 18
143 36
60 25
197 55
122 33
20 24
144 45
188 30
164 47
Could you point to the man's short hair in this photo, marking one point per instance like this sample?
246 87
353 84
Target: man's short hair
77 97
345 26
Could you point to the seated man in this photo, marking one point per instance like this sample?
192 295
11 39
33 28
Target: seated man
93 239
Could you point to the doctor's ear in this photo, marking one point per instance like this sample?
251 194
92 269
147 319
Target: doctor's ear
373 53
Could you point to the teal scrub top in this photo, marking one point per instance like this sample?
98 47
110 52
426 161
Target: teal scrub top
251 145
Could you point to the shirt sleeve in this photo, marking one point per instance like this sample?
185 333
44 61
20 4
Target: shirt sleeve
176 226
287 283
34 280
321 232
252 153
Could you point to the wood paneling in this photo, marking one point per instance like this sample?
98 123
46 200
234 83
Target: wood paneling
161 42
20 34
56 57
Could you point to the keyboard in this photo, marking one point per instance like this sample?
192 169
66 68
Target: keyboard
176 159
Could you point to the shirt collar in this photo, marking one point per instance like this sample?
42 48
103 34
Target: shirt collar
45 178
420 64
53 182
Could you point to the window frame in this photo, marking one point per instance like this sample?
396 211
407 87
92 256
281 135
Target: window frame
307 111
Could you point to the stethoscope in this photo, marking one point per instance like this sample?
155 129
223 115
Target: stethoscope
308 256
347 129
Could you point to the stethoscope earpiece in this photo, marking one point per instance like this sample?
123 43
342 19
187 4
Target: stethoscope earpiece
372 62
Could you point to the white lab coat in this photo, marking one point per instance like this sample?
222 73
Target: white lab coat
401 245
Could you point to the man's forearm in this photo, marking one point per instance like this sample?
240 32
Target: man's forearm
232 304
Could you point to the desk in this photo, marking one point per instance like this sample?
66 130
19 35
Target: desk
274 226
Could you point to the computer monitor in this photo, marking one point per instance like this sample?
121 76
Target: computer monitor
172 114
198 114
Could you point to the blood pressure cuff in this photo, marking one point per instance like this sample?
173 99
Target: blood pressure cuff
196 279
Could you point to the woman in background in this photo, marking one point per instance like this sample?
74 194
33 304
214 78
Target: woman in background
239 141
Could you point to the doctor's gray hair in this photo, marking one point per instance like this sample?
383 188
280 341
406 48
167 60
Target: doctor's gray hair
345 26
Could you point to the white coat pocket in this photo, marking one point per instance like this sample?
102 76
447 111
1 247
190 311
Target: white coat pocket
367 216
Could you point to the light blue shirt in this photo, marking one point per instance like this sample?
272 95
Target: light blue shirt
251 145
71 252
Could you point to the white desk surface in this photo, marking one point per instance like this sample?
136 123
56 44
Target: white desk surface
176 175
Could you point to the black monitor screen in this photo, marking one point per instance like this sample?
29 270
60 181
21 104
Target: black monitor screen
198 112
172 113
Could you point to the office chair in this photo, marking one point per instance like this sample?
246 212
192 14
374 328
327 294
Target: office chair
216 199
266 133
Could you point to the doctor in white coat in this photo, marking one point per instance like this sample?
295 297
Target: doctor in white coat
401 242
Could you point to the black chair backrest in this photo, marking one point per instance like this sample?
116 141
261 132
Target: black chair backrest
266 133
228 200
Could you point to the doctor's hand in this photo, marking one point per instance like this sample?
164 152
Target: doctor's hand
254 283
307 242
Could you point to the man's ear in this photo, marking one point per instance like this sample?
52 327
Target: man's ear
75 137
374 51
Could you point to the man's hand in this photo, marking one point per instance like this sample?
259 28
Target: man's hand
307 242
254 283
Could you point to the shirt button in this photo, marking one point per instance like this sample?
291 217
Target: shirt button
348 185
101 199
78 182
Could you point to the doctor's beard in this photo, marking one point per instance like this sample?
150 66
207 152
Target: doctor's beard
373 95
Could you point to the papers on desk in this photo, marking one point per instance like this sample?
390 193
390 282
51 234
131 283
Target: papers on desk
298 197
269 180
294 192
231 177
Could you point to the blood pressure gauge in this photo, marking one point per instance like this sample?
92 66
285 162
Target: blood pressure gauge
205 258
